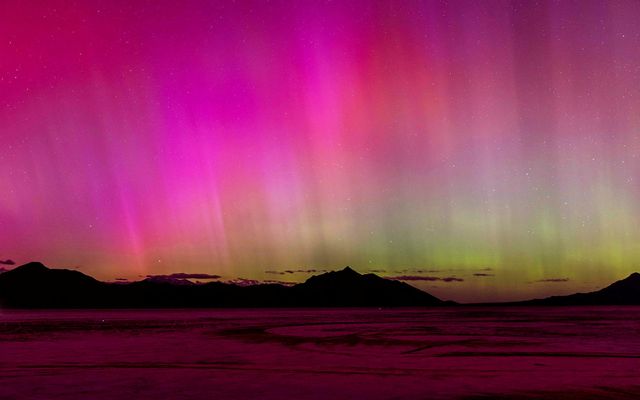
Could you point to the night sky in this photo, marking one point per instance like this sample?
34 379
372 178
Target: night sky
494 142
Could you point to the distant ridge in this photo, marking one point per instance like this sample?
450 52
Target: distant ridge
622 292
350 287
33 285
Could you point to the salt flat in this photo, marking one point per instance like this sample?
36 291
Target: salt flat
461 352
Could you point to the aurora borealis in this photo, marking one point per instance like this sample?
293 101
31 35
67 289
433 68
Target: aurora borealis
496 142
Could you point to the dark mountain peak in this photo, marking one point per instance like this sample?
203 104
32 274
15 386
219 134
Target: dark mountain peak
349 271
32 267
344 276
623 292
635 276
348 287
630 283
32 270
35 286
35 273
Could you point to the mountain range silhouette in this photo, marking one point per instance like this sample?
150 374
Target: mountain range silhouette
622 292
33 285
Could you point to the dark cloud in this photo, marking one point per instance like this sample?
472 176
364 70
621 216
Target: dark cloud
419 271
294 271
7 262
378 271
424 271
425 278
451 279
122 279
482 274
183 275
554 280
168 279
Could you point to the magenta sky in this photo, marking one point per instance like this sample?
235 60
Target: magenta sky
496 142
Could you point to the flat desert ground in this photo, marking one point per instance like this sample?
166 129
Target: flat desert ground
437 353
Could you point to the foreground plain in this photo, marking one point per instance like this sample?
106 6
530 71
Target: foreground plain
460 353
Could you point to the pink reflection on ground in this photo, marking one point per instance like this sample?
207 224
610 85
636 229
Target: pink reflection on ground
315 354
